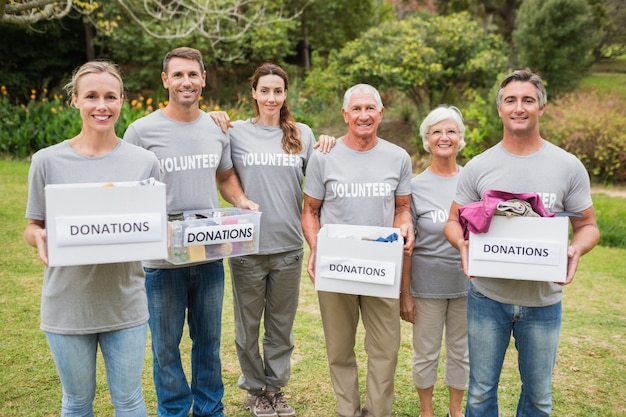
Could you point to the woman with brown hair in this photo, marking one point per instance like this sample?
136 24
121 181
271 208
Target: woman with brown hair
270 152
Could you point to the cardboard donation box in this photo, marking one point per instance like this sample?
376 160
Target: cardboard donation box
349 260
527 248
97 223
213 234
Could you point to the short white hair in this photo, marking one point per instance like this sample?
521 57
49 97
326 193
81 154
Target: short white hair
362 88
440 114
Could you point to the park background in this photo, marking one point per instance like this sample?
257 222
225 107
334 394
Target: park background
419 54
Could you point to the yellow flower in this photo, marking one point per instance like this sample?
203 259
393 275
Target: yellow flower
54 110
133 103
216 108
203 106
149 101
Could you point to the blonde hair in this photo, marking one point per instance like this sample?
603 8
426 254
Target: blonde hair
93 67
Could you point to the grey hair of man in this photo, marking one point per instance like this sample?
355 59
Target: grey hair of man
438 115
525 75
364 89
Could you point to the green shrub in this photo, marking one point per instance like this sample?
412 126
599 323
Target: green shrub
24 129
40 123
591 126
43 122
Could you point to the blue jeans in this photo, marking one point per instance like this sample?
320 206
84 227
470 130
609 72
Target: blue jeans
536 331
75 359
196 292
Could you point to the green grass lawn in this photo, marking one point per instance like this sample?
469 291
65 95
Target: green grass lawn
588 380
605 83
607 77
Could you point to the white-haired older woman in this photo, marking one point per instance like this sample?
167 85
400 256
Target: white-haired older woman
434 288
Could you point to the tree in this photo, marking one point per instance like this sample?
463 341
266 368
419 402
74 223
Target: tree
431 59
224 24
327 25
28 12
500 13
609 17
555 38
39 59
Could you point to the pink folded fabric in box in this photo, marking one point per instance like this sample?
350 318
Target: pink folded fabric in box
476 217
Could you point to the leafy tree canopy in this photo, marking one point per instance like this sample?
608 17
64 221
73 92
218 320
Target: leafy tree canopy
555 38
224 24
431 59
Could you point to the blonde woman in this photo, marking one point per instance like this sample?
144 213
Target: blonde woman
89 307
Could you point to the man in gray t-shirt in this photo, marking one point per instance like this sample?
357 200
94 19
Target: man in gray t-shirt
193 153
530 310
365 180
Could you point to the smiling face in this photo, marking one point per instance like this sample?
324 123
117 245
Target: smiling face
184 81
519 108
362 115
270 94
444 138
99 98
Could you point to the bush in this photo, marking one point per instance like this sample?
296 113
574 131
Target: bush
591 127
42 122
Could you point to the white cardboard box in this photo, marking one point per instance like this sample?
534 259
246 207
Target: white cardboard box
214 234
96 223
347 262
525 248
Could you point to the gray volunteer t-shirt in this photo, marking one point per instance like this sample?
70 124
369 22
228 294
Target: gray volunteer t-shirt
273 179
436 265
190 155
359 188
87 299
556 175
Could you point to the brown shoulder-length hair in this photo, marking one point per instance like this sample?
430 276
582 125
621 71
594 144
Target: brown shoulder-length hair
292 143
